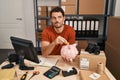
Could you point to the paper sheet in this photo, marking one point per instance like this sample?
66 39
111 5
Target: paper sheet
49 61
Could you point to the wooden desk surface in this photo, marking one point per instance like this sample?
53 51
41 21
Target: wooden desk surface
61 64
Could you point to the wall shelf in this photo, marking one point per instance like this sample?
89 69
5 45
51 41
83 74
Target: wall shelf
98 10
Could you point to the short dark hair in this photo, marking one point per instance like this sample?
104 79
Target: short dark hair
57 9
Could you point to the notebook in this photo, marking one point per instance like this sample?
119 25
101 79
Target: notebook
7 74
45 61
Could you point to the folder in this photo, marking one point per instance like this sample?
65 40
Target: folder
79 32
75 24
92 28
67 22
96 28
71 23
83 28
88 28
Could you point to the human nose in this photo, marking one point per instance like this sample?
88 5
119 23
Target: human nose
57 19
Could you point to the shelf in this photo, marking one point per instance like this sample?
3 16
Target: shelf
100 37
43 18
78 10
38 30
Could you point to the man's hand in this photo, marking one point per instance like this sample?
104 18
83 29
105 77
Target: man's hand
47 47
60 40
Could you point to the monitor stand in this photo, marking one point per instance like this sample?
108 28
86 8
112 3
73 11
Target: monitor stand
8 66
22 66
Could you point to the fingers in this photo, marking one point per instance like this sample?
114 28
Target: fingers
67 59
64 59
61 40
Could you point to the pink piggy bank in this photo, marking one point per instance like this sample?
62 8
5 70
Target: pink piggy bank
69 52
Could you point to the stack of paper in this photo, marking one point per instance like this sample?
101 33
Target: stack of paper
49 61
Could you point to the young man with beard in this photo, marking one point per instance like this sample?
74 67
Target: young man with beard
57 34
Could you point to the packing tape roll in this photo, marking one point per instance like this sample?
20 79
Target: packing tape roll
81 76
100 68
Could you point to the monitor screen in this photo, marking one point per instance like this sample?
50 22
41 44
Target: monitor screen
24 47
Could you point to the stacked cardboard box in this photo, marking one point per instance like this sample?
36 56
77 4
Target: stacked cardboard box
69 6
42 11
93 60
91 6
88 64
41 24
112 46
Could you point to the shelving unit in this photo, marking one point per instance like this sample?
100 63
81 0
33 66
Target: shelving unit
76 10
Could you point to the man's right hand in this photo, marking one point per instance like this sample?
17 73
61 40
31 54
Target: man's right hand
60 40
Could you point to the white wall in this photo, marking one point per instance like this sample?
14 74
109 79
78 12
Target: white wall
29 20
117 8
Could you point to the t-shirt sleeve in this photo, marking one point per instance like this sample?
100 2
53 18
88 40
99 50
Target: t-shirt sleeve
45 35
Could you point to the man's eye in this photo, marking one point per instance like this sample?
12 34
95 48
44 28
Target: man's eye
53 17
59 17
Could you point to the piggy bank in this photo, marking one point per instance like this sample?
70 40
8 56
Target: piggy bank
69 52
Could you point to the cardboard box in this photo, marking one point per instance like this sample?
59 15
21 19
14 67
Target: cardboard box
41 26
113 58
112 46
68 2
93 60
42 22
50 8
69 9
42 8
84 75
91 6
113 32
42 13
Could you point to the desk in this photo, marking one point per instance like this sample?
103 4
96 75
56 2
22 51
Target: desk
61 64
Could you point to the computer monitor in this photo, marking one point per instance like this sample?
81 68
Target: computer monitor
24 47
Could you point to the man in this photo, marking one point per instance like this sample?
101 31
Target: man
58 34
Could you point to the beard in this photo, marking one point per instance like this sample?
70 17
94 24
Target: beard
57 25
